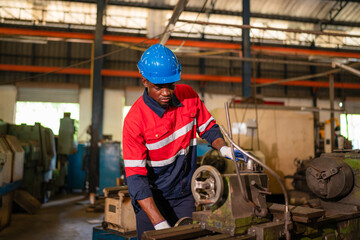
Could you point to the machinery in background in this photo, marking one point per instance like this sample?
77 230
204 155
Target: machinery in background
341 142
119 212
44 169
111 165
78 169
38 143
11 174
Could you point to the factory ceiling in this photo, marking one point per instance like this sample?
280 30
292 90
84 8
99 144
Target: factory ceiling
329 24
284 32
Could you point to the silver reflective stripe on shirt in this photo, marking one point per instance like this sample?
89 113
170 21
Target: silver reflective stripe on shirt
168 161
135 163
180 132
204 126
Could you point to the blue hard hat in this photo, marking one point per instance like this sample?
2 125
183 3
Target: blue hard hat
159 65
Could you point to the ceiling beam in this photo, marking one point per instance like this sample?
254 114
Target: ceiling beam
60 36
43 70
178 9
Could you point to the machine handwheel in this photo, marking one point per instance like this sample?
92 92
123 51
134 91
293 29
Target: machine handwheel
207 186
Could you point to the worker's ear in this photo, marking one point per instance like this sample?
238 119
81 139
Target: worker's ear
145 82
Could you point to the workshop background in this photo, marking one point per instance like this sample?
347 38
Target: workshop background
289 71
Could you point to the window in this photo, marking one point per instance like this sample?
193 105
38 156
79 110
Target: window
48 114
350 128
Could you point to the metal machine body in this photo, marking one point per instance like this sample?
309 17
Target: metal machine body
225 211
11 174
119 213
110 165
335 177
230 216
234 205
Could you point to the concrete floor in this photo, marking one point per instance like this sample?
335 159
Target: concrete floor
64 218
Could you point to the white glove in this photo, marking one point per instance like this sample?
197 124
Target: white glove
226 152
162 225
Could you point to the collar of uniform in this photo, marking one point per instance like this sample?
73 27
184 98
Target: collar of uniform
155 106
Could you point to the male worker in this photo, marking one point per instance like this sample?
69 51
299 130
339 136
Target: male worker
159 142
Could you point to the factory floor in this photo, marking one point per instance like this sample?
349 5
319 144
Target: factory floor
65 217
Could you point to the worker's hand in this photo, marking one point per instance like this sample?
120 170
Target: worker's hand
162 225
226 152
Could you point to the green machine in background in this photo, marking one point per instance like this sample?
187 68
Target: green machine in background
40 157
38 143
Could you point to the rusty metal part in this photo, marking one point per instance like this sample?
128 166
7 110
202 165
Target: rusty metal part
233 215
299 214
182 232
207 186
119 213
193 231
184 221
270 230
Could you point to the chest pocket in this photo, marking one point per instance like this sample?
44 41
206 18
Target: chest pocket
155 134
190 112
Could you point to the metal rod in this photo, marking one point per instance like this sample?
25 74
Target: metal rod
303 77
287 216
347 68
262 60
178 9
245 26
243 193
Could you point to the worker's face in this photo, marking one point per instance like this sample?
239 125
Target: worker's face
161 93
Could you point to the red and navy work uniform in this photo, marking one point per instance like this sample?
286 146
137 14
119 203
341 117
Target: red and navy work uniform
159 145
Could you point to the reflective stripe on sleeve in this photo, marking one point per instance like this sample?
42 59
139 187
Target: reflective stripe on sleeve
204 126
135 163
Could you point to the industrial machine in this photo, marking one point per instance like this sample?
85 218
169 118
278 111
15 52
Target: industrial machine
11 174
119 213
232 203
43 173
234 206
335 179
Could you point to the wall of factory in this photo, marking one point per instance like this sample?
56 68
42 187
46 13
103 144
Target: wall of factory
114 103
7 103
112 122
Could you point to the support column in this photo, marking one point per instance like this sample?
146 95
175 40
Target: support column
332 125
246 65
97 103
